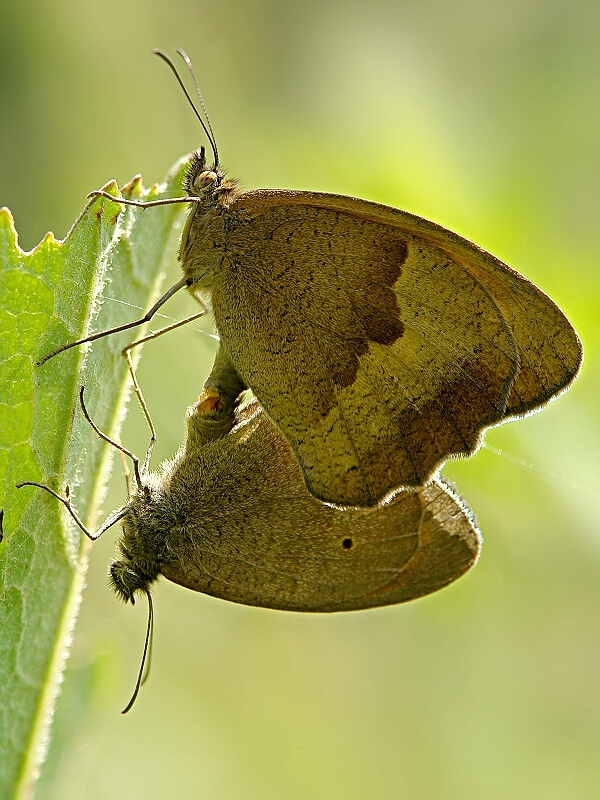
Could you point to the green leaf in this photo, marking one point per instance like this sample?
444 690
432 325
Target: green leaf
55 294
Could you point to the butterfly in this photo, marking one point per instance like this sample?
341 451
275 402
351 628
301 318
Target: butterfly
230 516
379 343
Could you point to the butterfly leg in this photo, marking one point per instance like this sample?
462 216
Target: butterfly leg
214 414
136 386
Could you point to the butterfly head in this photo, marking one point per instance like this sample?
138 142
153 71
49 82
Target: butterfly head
208 182
139 547
201 179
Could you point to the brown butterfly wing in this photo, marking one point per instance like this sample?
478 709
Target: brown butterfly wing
258 538
550 352
379 343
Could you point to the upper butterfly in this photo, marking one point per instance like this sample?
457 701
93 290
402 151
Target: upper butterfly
380 343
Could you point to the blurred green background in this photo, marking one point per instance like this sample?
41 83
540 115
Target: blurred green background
480 115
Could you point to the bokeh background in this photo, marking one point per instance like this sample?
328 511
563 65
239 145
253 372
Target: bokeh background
480 115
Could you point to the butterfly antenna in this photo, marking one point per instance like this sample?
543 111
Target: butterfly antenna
143 673
146 674
207 128
191 70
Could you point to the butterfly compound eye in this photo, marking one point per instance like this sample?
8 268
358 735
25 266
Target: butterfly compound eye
125 582
205 180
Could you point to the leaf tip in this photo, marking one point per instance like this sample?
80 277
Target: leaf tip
7 223
111 187
134 186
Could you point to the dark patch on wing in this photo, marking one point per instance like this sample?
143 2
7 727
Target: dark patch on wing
450 423
380 312
375 304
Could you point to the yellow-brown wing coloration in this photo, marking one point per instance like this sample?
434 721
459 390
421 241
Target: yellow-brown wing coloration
242 526
378 342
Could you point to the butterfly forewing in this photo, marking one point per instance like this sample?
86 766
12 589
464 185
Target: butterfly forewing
379 343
